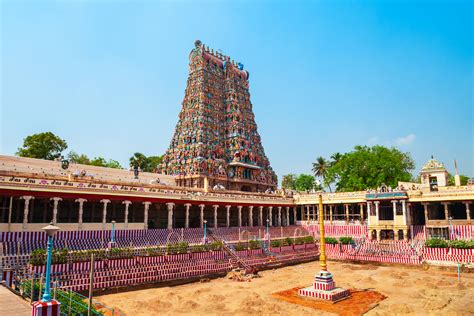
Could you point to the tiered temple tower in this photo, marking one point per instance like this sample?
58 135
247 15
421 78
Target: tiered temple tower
216 142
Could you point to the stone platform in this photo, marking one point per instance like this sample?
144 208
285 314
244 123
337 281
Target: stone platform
324 288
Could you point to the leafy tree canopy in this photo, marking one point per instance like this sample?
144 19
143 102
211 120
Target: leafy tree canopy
288 182
370 167
147 164
101 162
74 157
464 179
82 159
42 146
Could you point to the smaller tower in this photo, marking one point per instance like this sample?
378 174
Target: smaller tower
433 175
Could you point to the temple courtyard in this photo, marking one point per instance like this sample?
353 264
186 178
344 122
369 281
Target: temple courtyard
408 290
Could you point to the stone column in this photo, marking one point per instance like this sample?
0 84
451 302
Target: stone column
227 214
394 209
361 209
287 216
170 207
215 215
239 208
260 216
425 206
347 212
279 216
81 212
26 210
468 211
186 219
201 215
369 210
270 208
378 234
145 214
404 211
55 208
446 210
302 212
405 234
294 215
104 213
125 221
377 210
251 215
395 234
330 214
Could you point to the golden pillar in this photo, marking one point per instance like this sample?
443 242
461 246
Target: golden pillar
322 255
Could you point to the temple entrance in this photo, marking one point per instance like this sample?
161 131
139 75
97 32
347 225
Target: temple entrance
246 188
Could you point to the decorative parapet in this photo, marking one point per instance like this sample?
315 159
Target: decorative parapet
138 190
451 193
386 195
328 198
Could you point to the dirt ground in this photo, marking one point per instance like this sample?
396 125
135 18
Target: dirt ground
409 290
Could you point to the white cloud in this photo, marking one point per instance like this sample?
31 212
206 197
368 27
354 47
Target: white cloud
405 140
373 140
400 141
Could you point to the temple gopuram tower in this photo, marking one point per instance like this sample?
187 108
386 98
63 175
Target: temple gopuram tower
216 143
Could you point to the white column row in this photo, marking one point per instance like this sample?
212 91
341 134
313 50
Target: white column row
281 219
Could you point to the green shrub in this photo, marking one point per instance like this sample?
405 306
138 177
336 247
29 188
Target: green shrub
76 301
38 257
215 245
180 247
240 246
436 243
153 251
198 248
346 240
254 244
289 241
308 239
275 243
330 240
461 244
299 241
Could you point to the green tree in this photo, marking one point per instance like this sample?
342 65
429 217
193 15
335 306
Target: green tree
147 164
335 158
74 157
42 146
289 182
306 182
152 163
320 168
369 167
464 179
101 162
139 160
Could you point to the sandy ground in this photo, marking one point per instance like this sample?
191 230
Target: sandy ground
409 290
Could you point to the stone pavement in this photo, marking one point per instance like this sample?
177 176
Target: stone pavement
12 305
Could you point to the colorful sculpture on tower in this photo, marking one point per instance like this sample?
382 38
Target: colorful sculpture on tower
216 135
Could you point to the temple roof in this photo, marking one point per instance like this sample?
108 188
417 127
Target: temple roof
433 164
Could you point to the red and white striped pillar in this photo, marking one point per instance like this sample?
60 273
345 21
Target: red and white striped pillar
51 308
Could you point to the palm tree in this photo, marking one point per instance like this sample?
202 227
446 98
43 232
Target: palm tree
138 160
335 158
320 168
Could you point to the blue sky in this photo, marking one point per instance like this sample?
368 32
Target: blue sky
109 76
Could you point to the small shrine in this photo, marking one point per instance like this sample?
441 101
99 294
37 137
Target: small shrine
216 143
433 175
